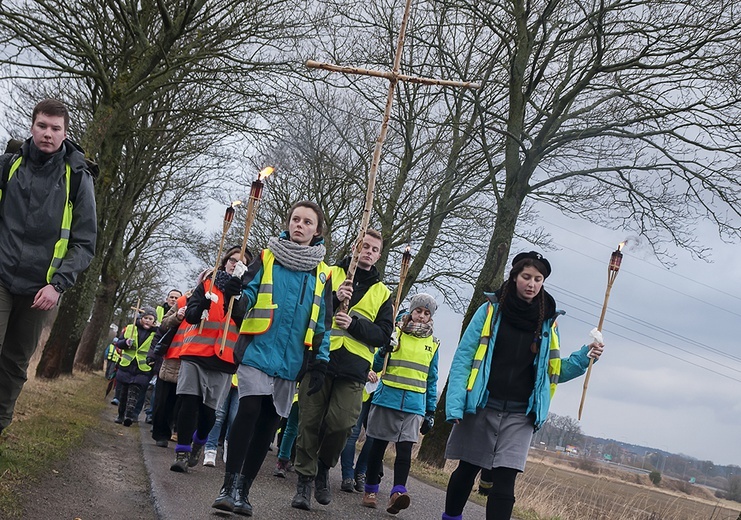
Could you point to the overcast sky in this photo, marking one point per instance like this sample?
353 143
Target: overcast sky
670 377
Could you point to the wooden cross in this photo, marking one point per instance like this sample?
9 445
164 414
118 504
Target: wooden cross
393 76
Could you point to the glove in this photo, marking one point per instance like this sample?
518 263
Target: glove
212 297
317 372
150 361
129 342
233 287
393 342
239 269
427 423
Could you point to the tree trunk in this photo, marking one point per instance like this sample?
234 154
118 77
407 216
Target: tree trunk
60 348
98 326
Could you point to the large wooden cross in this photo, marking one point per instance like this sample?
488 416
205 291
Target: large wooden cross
393 76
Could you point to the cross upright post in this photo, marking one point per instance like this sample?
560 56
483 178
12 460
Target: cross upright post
394 77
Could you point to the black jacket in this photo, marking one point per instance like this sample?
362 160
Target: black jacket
343 364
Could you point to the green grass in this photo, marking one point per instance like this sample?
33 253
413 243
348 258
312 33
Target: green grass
50 420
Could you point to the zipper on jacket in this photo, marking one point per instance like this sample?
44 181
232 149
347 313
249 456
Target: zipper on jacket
303 290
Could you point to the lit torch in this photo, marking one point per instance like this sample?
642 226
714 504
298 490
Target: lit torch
406 259
228 218
612 270
252 203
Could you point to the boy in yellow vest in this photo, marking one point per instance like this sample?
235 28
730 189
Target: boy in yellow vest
330 408
404 403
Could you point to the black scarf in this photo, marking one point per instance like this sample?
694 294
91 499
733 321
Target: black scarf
523 315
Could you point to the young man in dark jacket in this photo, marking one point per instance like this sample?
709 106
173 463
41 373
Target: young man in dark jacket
47 238
327 416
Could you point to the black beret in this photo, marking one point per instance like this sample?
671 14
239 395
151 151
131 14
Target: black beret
534 256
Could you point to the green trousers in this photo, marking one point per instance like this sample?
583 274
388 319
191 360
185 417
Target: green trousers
325 420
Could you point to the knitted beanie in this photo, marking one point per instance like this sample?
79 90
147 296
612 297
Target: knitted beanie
425 301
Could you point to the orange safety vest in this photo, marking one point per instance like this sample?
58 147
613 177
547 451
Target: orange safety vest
207 342
177 340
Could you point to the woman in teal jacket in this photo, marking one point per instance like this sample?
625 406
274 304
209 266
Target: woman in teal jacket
501 382
290 308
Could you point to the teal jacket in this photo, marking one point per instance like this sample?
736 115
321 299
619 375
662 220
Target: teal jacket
461 401
279 351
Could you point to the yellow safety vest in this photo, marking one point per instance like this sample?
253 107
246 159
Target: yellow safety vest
365 309
160 310
111 353
260 317
60 248
136 352
408 367
554 353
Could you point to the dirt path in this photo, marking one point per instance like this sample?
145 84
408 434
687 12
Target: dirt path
104 479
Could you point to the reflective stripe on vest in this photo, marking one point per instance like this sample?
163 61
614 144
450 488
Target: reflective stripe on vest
260 317
409 366
111 353
136 352
554 353
206 342
365 309
60 248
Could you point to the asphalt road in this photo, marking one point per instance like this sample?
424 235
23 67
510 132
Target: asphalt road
179 496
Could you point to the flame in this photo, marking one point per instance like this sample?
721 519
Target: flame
236 203
265 172
408 249
621 245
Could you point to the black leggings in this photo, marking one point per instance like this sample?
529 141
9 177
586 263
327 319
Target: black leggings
402 463
250 435
501 500
194 416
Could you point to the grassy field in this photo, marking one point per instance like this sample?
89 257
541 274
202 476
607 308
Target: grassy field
551 489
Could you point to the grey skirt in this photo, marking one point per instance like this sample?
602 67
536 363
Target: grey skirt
209 384
491 439
252 381
391 425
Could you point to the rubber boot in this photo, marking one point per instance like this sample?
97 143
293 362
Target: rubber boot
131 399
242 504
225 500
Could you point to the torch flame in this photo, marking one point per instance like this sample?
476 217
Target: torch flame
236 203
408 249
265 172
621 245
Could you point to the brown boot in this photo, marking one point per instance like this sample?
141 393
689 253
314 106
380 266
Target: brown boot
370 500
397 502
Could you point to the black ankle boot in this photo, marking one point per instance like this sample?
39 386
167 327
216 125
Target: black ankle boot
242 504
302 498
225 500
322 492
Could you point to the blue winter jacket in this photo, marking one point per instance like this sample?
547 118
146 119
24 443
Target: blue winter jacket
406 400
460 401
279 351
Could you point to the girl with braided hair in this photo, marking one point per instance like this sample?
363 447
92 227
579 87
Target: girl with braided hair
501 382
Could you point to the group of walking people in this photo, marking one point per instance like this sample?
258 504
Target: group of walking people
285 322
303 342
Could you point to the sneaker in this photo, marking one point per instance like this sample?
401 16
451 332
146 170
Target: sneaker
370 500
148 419
281 468
348 484
360 482
485 488
209 458
114 401
181 462
162 443
397 502
195 455
118 420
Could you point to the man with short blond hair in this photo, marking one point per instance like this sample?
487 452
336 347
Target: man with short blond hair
47 238
327 416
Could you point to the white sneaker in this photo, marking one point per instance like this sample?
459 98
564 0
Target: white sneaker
226 445
209 458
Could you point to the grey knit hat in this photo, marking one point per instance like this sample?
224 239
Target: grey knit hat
425 301
149 311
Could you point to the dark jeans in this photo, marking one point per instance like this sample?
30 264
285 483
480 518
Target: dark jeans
165 410
20 329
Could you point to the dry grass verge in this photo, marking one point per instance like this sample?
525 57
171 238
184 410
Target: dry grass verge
50 420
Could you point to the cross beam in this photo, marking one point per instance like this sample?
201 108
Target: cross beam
394 77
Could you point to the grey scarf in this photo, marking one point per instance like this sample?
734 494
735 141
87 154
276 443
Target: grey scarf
294 256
